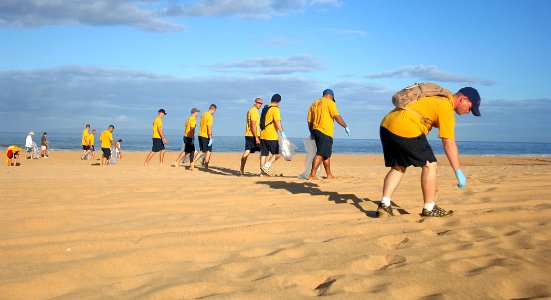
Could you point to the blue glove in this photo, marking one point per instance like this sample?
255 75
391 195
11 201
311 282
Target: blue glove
283 136
461 179
347 131
210 142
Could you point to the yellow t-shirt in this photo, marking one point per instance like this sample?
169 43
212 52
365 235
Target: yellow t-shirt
252 115
407 124
85 137
321 114
206 120
157 124
190 124
270 132
91 139
106 138
14 150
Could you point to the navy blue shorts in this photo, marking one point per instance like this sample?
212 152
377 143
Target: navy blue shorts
106 152
324 144
405 152
204 144
251 145
189 147
269 146
158 145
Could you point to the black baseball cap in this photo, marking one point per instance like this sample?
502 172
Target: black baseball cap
162 111
474 97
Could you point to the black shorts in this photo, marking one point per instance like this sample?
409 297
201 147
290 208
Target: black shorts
85 147
269 146
251 145
189 147
324 143
92 147
400 151
106 152
158 145
204 144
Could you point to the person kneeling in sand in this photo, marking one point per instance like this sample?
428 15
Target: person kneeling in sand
403 136
12 154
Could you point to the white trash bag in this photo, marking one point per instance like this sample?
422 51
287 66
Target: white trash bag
113 158
35 154
310 147
288 149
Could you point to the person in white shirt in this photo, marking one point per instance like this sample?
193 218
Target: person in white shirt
29 145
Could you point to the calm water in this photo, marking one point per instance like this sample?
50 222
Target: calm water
139 142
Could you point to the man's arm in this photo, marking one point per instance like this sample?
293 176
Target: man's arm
340 121
278 125
161 134
450 147
192 130
255 133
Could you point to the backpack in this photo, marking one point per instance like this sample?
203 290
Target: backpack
263 117
415 92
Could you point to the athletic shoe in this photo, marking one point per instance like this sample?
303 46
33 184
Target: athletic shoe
266 171
384 211
436 212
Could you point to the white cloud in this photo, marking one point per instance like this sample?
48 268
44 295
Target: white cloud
429 73
348 33
326 2
34 13
270 65
277 42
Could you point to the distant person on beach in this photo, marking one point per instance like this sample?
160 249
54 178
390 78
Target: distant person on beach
92 142
44 145
158 138
269 143
321 117
118 149
106 139
205 137
403 136
252 133
85 142
189 136
29 145
12 154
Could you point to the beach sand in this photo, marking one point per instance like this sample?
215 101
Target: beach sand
73 230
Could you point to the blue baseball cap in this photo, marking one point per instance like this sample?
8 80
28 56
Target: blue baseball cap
474 97
330 92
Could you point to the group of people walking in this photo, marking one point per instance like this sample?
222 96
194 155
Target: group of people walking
402 132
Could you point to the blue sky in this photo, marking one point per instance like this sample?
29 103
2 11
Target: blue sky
67 63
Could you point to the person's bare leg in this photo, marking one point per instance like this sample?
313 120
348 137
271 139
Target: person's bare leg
316 162
392 180
428 182
179 159
327 166
148 158
191 156
244 161
161 157
207 159
194 161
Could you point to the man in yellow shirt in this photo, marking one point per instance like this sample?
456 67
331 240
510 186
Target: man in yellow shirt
85 144
12 154
252 133
106 139
189 136
92 142
269 137
205 137
403 136
321 117
158 138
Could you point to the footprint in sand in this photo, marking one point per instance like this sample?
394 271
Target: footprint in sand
393 241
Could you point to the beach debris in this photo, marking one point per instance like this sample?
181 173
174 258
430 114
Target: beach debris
324 287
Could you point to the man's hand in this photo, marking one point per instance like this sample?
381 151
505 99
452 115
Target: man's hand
347 131
461 179
164 140
210 142
283 136
257 140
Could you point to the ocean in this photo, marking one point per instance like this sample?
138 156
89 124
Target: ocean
142 142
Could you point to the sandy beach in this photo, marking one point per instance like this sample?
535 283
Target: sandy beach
71 229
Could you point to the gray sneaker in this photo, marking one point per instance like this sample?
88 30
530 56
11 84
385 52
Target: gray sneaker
436 212
384 211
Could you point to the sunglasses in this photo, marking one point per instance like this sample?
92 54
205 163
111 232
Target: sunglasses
258 102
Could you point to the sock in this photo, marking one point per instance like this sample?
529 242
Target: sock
267 165
386 201
429 206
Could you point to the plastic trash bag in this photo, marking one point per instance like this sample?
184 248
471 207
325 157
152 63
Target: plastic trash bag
288 149
113 158
310 147
186 158
35 151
